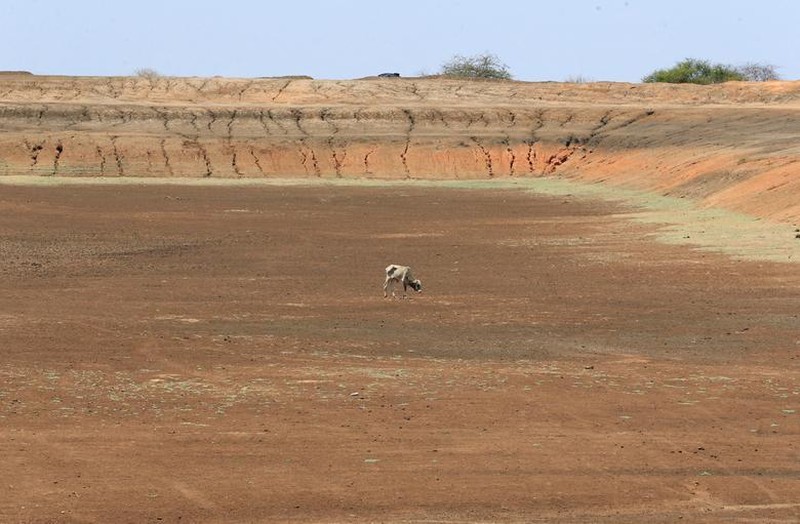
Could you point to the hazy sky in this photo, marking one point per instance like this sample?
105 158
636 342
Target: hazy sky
539 40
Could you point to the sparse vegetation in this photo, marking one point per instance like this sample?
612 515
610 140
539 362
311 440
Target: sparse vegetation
146 72
577 79
694 71
755 72
485 65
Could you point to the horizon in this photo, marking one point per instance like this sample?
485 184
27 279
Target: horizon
600 40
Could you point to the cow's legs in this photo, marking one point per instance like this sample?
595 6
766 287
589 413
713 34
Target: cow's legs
389 284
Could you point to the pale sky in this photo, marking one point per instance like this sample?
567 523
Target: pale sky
619 40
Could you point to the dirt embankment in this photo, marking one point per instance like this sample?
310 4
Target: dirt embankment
732 146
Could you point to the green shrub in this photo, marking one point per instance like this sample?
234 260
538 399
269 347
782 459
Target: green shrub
479 66
693 71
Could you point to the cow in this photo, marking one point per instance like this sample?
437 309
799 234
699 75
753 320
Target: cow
402 274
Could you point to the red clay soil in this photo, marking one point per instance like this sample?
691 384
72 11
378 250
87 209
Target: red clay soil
732 146
212 354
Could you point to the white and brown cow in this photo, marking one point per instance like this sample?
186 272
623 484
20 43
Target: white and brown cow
401 274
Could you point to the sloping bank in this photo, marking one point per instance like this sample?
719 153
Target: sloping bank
731 147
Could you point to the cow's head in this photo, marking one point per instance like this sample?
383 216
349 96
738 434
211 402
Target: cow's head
416 285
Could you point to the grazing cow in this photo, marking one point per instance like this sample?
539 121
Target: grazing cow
402 274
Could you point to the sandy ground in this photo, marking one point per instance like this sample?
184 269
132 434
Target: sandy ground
224 354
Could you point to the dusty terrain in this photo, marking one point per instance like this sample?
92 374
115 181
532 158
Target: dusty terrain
225 354
221 351
732 146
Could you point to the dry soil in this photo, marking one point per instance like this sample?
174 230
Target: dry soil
225 354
